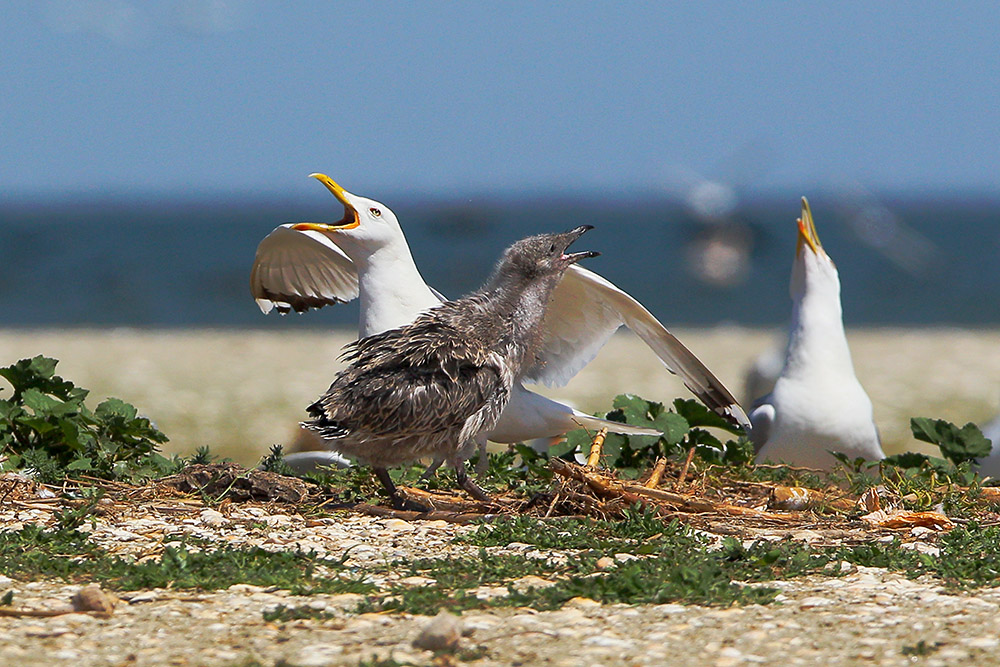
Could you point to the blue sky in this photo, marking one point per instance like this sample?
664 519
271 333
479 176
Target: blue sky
190 96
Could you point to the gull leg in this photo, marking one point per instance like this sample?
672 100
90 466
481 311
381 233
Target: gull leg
398 502
484 462
470 487
431 469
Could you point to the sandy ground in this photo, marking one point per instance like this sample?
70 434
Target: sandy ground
240 391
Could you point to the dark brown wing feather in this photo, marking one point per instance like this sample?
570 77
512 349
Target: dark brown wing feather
427 377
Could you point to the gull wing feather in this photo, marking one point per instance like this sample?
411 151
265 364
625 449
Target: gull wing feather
299 270
586 309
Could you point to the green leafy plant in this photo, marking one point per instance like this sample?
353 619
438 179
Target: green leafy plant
46 426
958 445
683 427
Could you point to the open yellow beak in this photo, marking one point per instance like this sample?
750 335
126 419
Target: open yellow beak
807 230
350 219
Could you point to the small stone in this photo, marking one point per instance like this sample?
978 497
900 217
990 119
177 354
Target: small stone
398 525
813 602
318 655
526 583
92 598
605 563
606 642
344 600
417 581
624 558
245 588
213 518
982 642
807 536
138 598
441 634
583 603
490 592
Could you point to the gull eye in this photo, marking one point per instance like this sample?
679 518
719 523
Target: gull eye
375 212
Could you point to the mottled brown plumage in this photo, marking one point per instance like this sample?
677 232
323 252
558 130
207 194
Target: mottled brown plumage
429 388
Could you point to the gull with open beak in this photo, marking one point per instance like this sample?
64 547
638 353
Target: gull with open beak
817 405
300 266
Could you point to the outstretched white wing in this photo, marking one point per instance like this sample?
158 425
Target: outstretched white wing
299 270
587 309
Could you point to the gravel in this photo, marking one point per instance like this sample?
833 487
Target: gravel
866 616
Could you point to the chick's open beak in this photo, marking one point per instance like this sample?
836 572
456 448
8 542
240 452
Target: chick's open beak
573 235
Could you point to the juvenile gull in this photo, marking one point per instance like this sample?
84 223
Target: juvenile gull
430 388
817 404
300 266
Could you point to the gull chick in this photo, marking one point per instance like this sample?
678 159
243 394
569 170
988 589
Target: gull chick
300 266
429 389
817 404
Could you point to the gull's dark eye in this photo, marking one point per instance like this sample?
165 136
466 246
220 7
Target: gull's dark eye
374 211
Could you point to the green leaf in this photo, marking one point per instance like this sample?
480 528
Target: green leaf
36 373
114 407
613 443
9 410
569 445
673 426
635 409
739 451
957 444
40 403
81 463
906 460
37 424
699 415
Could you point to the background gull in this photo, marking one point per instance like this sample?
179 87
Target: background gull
300 266
817 404
431 387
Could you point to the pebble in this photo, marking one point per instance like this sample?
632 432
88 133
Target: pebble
813 602
442 633
525 583
604 641
398 525
605 563
213 518
417 581
318 655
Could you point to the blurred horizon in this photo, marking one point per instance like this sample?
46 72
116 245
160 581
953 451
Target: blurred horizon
150 145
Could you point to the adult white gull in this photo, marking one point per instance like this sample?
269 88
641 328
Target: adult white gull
817 404
300 266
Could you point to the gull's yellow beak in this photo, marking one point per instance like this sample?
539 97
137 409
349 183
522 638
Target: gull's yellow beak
807 231
350 219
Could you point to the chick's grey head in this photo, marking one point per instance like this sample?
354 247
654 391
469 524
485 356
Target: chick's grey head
538 257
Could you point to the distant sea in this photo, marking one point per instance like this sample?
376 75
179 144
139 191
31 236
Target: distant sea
185 263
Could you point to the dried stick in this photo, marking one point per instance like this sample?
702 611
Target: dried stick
657 474
606 487
684 469
594 459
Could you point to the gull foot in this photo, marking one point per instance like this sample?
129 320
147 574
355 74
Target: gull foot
469 486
